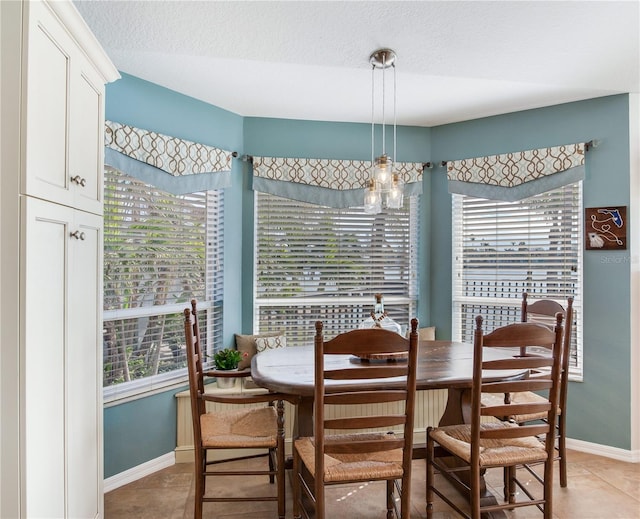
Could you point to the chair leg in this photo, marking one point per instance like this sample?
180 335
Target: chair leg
405 498
548 489
511 475
505 483
200 468
390 511
474 491
280 461
297 497
430 474
272 454
318 490
562 450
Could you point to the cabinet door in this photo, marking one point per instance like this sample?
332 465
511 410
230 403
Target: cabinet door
84 368
86 136
62 407
64 108
46 245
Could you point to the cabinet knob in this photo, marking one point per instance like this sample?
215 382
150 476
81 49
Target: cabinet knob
79 180
77 235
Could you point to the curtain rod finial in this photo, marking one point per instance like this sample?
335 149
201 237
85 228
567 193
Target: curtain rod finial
593 143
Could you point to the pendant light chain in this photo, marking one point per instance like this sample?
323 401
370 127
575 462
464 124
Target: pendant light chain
395 96
373 104
384 73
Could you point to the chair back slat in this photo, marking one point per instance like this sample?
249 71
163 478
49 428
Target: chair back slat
523 431
530 384
365 342
373 372
526 362
359 447
365 397
365 422
507 409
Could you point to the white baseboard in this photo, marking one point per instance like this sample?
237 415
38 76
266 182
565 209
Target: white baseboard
169 459
604 450
140 471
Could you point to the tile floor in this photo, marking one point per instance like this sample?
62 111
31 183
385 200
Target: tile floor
599 488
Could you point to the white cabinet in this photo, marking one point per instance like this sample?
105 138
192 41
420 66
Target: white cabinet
62 360
51 157
64 147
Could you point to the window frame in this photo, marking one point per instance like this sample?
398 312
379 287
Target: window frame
508 309
331 308
208 290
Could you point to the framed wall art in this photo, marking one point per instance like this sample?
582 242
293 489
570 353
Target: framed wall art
605 228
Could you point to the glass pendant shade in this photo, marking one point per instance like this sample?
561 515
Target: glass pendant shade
383 170
372 199
395 196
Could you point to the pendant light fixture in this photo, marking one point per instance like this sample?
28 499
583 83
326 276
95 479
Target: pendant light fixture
384 184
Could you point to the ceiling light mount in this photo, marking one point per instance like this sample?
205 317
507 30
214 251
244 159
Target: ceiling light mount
383 58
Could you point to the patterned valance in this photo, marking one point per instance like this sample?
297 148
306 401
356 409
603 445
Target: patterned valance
328 182
517 175
172 164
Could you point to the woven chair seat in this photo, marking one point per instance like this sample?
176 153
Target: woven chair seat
254 427
353 467
522 397
493 452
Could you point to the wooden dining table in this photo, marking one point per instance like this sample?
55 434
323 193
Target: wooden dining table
441 365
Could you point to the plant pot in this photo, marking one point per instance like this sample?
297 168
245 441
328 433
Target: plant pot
226 382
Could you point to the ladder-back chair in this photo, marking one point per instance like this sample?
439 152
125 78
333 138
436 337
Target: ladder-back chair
241 427
340 452
486 444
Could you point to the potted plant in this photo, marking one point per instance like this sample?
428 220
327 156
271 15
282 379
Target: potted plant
227 360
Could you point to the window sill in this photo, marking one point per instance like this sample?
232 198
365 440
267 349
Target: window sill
113 396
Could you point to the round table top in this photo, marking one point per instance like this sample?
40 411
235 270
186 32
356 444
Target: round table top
441 364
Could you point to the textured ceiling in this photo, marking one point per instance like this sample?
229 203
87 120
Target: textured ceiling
457 60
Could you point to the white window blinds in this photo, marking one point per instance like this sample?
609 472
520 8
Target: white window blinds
160 251
319 263
501 249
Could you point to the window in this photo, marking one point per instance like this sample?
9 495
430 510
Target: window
501 249
318 263
160 251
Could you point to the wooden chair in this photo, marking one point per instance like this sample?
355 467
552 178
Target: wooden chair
544 311
243 427
478 446
350 456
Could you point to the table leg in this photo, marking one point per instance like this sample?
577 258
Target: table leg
458 409
303 418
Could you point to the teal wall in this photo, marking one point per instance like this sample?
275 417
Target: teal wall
145 429
603 398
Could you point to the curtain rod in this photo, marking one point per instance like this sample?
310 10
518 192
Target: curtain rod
249 158
429 165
